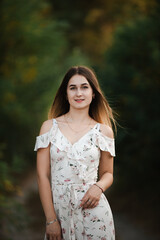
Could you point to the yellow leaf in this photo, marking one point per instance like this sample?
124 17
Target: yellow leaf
29 75
9 187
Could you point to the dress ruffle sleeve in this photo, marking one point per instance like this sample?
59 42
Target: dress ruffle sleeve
42 141
106 144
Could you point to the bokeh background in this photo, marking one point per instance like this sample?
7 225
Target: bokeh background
120 40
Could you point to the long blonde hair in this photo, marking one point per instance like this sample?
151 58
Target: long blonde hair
99 109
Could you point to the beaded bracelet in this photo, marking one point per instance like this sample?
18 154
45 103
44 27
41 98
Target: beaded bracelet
99 187
53 221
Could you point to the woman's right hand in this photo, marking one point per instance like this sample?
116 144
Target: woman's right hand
53 231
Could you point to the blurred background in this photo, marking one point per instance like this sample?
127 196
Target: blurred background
120 40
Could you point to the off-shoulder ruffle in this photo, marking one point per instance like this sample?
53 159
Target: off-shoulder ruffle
43 140
106 143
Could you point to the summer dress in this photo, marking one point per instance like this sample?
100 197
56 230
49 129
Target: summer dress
73 170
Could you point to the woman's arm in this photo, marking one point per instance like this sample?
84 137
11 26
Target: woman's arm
43 178
106 163
105 175
105 171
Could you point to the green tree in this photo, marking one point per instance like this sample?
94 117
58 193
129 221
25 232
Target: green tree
91 24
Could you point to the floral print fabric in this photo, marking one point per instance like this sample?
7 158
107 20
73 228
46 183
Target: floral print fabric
74 169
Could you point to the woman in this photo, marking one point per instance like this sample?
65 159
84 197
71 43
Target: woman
74 144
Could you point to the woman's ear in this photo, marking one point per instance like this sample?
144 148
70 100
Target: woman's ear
93 95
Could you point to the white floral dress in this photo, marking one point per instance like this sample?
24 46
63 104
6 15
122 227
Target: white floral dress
74 169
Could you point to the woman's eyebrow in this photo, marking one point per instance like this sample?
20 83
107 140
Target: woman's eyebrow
74 85
84 84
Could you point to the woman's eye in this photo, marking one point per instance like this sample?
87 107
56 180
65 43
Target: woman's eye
83 87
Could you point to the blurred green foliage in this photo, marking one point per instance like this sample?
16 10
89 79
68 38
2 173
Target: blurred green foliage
132 75
91 24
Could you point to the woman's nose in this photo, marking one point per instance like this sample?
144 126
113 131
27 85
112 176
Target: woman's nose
79 92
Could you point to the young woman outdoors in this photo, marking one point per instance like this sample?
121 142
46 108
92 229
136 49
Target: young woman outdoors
76 145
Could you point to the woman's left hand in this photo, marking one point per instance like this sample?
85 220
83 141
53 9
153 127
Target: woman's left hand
91 197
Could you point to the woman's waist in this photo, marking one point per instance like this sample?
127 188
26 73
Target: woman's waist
71 183
69 195
72 178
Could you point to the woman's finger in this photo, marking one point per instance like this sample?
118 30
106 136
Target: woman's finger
92 204
95 204
84 200
87 204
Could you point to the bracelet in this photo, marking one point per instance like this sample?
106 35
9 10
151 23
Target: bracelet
99 187
53 221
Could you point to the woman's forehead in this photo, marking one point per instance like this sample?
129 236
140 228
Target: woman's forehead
78 80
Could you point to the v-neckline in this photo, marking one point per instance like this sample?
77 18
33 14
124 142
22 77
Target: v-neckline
72 144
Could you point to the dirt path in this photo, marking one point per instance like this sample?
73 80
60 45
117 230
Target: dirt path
126 230
35 226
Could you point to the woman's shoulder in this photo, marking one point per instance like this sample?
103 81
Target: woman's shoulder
106 130
60 118
46 126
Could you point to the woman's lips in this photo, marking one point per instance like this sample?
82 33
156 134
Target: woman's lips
79 100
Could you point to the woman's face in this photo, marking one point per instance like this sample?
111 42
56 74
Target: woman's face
79 92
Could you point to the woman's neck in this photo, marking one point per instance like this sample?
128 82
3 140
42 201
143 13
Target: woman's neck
78 116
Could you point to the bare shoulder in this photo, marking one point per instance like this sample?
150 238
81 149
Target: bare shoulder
46 126
107 130
60 118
